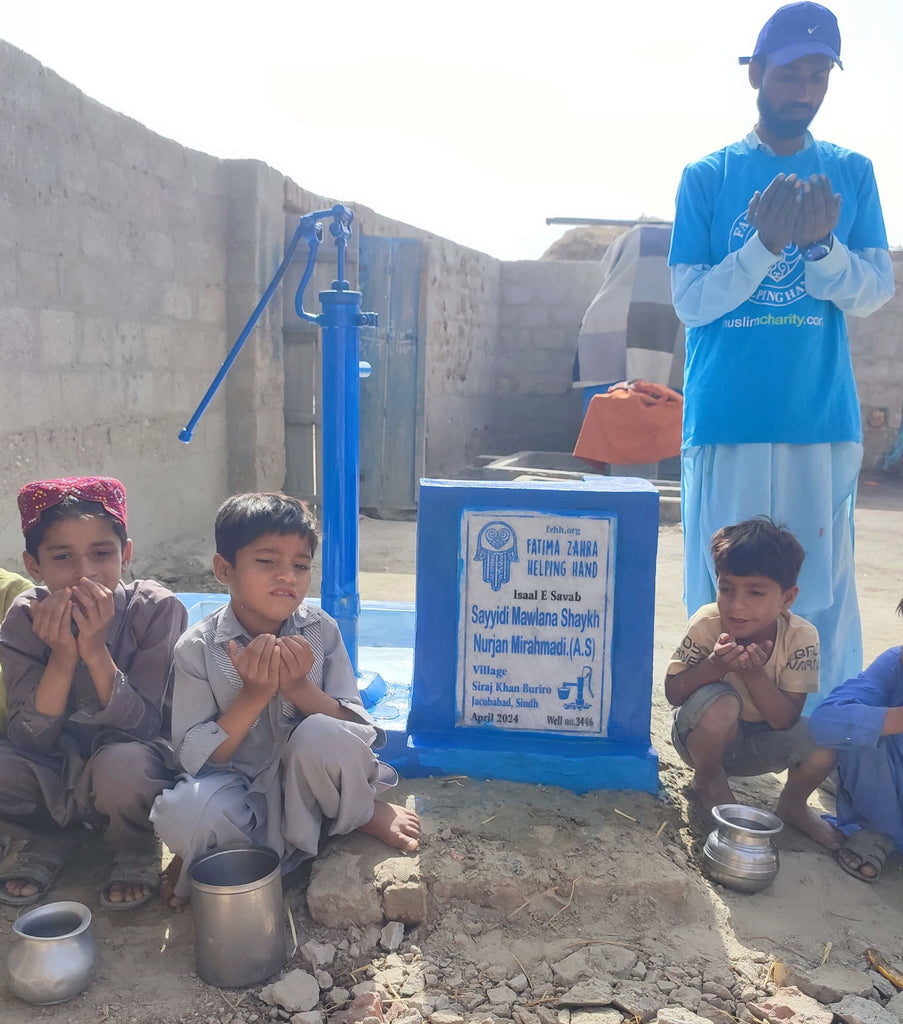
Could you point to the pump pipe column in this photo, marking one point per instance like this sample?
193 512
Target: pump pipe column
339 595
340 321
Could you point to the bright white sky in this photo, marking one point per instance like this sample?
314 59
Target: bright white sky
475 120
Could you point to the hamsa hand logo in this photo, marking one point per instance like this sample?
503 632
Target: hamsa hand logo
496 549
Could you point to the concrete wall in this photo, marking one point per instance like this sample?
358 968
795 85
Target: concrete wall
461 314
877 347
499 338
127 266
542 305
255 230
501 341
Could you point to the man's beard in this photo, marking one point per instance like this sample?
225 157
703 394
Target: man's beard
779 125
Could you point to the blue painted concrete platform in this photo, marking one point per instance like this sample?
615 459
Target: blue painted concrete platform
505 633
385 649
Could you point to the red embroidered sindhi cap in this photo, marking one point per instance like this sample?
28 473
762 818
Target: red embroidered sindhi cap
35 498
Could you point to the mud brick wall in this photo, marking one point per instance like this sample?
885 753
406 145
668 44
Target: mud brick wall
127 263
877 347
542 305
500 342
461 315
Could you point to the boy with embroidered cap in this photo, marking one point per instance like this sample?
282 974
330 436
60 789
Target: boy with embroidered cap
86 660
267 721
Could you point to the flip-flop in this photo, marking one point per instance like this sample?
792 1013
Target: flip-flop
871 848
37 862
131 868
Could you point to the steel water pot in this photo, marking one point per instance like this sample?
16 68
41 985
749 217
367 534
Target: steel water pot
52 955
740 853
239 921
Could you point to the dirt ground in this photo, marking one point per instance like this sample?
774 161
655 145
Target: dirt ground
522 876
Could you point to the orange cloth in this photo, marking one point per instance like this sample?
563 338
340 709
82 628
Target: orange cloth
632 423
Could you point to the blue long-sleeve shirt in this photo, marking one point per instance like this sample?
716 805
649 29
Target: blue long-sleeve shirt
776 323
856 282
870 766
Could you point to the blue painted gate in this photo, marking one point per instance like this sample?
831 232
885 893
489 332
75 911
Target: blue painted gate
391 414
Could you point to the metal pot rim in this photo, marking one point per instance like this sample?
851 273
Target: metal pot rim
48 910
234 888
731 816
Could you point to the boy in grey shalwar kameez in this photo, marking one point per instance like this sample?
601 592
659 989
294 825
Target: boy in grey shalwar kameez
267 723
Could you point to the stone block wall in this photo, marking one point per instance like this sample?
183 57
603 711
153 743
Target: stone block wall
542 305
876 343
129 263
461 317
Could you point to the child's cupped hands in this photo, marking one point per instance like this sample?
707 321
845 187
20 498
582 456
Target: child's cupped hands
52 622
297 661
731 656
757 655
92 611
258 664
728 655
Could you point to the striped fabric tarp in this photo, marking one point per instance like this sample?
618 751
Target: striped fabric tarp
630 329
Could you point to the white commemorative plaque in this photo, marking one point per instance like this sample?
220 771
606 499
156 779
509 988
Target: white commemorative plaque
534 623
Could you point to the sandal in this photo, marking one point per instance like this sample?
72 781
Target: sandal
131 868
5 843
871 848
38 863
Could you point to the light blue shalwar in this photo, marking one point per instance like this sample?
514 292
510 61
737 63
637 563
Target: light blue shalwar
811 488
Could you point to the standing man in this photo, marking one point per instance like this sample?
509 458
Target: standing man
775 238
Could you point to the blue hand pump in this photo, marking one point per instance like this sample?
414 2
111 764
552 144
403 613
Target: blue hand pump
340 321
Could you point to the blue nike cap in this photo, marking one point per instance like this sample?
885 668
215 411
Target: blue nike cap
798 30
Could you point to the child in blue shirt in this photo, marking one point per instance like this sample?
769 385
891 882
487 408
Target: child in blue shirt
863 720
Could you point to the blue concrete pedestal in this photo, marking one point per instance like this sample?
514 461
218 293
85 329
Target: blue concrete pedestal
608 765
533 644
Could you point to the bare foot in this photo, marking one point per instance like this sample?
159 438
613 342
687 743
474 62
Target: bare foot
710 792
396 826
808 822
126 892
168 884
